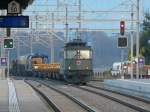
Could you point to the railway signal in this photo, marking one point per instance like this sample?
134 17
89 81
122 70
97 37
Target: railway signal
122 28
8 43
122 42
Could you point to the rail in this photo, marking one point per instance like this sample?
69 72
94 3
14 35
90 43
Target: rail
83 105
135 107
121 93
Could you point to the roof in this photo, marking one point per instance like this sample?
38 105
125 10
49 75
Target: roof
76 42
23 3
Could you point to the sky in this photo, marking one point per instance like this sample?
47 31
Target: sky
88 5
97 4
146 4
112 3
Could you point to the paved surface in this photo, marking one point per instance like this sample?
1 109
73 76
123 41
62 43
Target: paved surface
140 87
144 80
4 101
13 100
17 96
28 100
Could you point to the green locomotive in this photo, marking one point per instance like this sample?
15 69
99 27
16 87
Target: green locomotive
76 66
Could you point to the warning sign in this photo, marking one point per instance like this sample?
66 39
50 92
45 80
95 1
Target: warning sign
14 8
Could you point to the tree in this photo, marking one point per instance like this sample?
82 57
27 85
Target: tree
146 22
145 39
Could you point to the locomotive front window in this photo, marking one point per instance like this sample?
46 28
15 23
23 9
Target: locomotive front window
79 54
85 54
71 54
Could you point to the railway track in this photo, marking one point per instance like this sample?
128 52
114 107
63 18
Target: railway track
61 101
121 93
99 103
133 102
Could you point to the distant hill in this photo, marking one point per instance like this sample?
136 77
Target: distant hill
105 50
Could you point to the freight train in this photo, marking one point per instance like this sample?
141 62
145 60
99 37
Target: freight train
75 67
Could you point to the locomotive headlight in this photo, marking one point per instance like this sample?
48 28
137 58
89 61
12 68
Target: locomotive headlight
36 67
87 67
69 67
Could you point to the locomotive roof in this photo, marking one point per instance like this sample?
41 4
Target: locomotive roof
76 42
78 48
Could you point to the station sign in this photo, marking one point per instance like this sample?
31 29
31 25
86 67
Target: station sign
141 61
14 8
4 61
14 21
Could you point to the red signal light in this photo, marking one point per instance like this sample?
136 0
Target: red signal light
122 27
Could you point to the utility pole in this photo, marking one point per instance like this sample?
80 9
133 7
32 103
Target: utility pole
57 4
53 25
18 53
122 63
31 49
52 42
132 17
66 39
2 48
79 19
36 19
8 64
137 38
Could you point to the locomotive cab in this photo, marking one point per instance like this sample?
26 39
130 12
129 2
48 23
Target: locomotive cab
77 62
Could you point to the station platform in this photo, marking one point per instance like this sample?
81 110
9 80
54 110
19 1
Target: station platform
17 96
140 87
4 102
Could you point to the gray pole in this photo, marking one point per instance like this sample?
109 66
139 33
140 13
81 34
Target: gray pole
52 44
137 39
122 63
57 4
2 49
132 17
18 53
8 64
79 19
66 39
31 49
